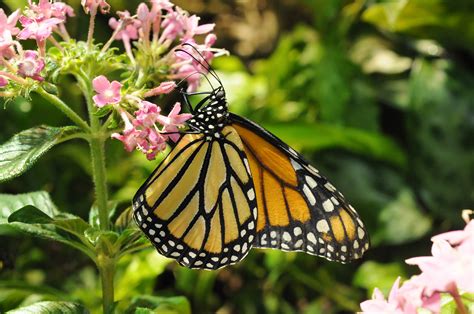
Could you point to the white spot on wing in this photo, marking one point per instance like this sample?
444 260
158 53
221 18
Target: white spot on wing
295 164
328 205
309 195
322 226
311 238
311 182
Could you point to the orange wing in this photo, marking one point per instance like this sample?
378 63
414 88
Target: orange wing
298 209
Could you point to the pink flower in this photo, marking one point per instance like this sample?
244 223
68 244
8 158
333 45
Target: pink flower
46 9
107 92
158 5
92 5
6 43
192 28
173 121
163 88
412 296
131 29
3 81
447 269
378 304
31 65
147 114
462 239
37 29
137 135
173 25
406 299
8 23
7 30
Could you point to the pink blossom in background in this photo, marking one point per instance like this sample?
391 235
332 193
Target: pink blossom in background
173 121
192 28
158 5
131 29
107 92
37 29
31 65
45 9
92 5
3 81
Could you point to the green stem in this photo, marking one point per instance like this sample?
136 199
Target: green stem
106 267
97 143
58 103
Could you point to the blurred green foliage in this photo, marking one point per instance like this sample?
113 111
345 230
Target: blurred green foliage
377 94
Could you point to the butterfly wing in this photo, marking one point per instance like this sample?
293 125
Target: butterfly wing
298 209
199 206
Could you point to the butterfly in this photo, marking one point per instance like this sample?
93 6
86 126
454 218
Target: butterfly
229 185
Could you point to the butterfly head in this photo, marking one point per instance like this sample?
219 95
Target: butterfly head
211 117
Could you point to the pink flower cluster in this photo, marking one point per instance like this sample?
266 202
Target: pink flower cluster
449 270
142 132
39 21
162 25
142 129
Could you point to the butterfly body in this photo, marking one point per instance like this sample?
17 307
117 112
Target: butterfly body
229 185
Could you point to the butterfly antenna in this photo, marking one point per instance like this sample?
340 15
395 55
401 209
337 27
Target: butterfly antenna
205 66
196 72
210 69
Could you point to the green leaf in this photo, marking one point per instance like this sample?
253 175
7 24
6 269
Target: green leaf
10 203
50 307
25 148
401 221
371 275
162 305
325 136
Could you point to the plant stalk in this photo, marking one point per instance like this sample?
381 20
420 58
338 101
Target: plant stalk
459 304
106 267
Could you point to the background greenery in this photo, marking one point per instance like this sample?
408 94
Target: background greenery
377 94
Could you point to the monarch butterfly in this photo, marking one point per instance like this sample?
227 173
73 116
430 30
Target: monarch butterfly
230 185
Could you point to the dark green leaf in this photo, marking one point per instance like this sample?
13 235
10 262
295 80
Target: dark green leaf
323 136
50 307
65 228
30 215
102 112
25 148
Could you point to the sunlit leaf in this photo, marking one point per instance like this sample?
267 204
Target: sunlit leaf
10 203
165 305
25 148
402 221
